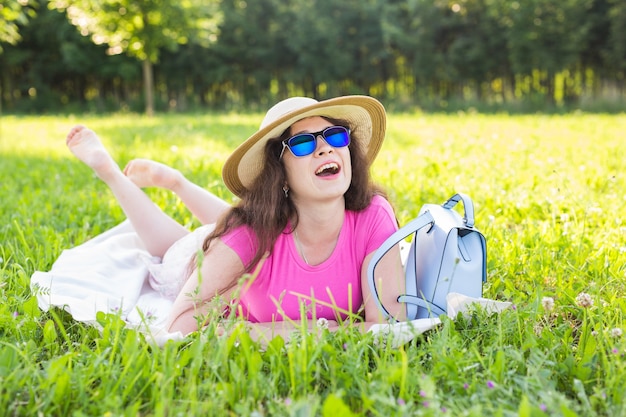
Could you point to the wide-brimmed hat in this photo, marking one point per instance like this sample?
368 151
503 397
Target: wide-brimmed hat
366 116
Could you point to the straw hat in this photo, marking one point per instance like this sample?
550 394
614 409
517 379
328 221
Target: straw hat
366 116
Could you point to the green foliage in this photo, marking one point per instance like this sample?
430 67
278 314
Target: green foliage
12 14
549 198
615 52
141 28
436 55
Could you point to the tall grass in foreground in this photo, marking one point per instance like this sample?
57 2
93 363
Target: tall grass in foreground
550 197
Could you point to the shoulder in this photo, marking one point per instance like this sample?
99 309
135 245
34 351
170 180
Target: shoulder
377 207
242 240
372 225
239 235
378 212
380 201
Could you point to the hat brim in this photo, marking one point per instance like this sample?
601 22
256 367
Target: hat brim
365 114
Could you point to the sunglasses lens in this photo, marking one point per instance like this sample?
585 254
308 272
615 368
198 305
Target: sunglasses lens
305 143
302 145
337 136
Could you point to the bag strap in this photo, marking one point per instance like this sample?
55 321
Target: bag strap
468 207
418 301
414 225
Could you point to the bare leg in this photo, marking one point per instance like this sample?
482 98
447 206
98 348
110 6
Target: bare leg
149 173
157 230
207 207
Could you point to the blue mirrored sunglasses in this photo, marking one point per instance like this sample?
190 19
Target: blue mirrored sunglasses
304 144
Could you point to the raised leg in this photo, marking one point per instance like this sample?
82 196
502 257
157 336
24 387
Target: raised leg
156 229
207 207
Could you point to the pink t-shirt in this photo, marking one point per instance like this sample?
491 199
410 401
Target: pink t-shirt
285 282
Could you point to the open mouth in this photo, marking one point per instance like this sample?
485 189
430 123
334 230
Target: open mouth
327 170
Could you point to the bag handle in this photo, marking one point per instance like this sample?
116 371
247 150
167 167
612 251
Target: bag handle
414 225
468 207
418 301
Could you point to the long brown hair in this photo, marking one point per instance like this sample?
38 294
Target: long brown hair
264 207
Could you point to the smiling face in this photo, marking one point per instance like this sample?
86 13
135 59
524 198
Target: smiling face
325 174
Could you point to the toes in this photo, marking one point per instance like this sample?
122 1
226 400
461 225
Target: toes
74 133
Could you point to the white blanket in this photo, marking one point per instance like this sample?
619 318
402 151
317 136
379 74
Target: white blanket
114 273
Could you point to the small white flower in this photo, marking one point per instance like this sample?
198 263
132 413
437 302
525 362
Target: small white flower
547 303
584 300
616 332
322 323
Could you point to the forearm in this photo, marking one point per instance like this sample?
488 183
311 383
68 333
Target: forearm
196 318
206 206
184 323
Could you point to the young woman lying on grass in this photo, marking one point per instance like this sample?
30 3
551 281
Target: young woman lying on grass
306 224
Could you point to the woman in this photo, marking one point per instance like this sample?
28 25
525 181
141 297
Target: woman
305 227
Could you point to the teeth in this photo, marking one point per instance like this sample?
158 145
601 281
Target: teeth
324 167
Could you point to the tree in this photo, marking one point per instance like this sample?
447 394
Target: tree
142 28
417 33
546 37
12 14
338 45
615 55
251 50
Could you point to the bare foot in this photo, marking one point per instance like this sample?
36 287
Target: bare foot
148 173
86 145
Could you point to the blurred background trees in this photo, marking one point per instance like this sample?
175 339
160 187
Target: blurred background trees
101 55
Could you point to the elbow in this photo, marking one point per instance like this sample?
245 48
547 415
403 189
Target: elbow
184 323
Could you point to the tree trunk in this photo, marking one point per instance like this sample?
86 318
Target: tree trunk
148 86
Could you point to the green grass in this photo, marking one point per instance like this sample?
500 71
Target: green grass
550 195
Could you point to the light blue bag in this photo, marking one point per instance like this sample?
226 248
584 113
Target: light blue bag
447 254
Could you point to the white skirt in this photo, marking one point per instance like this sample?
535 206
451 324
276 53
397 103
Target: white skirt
114 273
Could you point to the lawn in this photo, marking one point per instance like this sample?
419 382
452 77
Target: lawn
550 197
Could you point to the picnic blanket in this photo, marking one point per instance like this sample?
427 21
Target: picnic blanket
114 273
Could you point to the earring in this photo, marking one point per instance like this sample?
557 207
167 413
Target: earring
286 190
